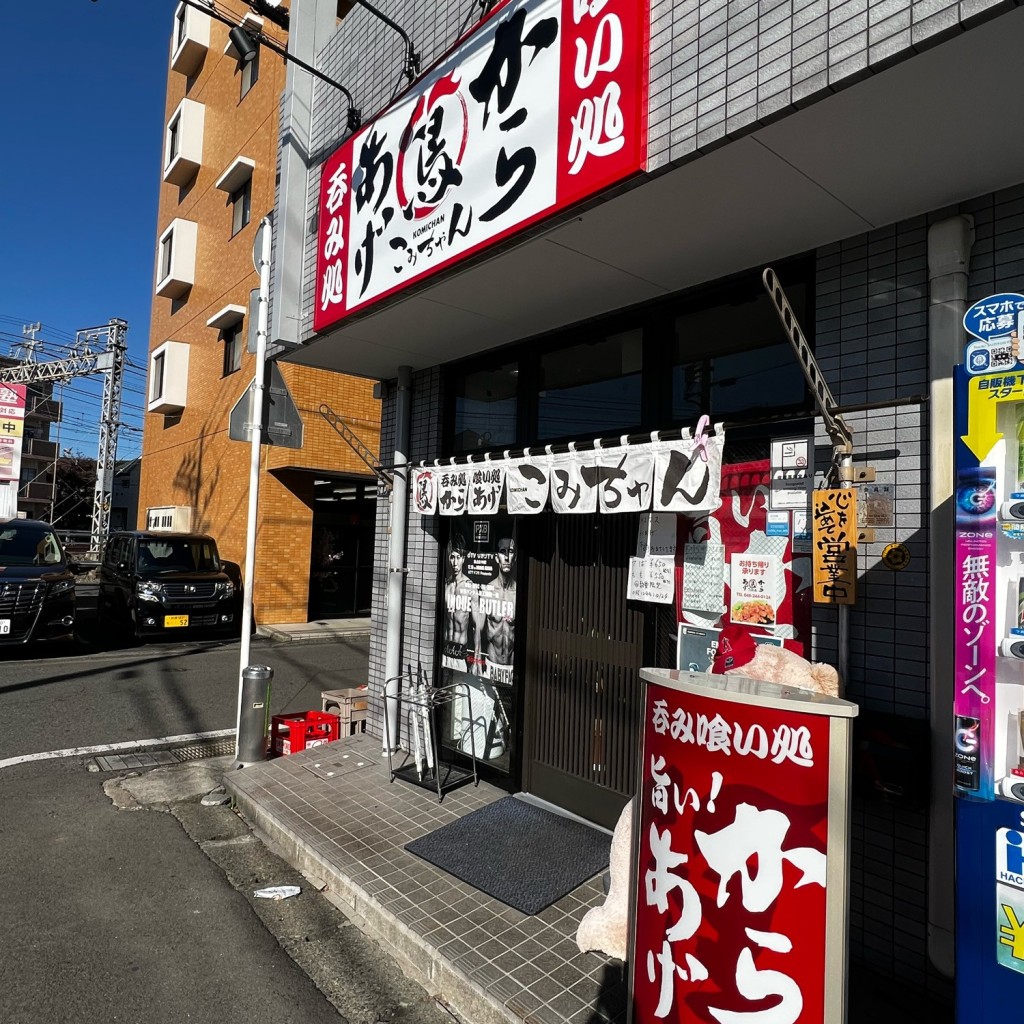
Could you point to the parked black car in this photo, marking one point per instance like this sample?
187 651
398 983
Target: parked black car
37 584
156 583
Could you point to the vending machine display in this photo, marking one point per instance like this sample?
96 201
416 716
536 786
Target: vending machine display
988 727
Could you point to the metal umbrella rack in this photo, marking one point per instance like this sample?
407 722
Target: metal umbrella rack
419 706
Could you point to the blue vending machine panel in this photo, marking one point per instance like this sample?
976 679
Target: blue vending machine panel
990 910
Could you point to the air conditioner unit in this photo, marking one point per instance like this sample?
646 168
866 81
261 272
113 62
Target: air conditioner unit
170 518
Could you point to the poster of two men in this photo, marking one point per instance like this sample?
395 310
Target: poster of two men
478 640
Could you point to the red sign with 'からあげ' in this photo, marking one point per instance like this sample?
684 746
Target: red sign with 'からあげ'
730 908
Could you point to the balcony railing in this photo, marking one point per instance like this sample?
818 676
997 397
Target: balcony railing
37 490
34 447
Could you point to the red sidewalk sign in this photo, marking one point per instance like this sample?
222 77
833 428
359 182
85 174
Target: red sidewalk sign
739 889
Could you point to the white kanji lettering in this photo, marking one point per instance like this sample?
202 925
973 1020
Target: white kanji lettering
753 984
793 744
337 189
753 831
755 742
597 128
714 734
604 53
335 240
682 726
659 717
332 290
659 795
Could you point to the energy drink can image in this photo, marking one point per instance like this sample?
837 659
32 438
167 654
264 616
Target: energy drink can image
976 498
966 753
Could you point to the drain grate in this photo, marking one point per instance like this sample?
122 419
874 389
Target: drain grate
175 755
205 748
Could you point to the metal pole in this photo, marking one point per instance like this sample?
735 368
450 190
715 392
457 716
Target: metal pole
256 428
845 467
396 554
949 252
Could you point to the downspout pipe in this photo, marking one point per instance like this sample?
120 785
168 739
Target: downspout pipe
949 253
396 556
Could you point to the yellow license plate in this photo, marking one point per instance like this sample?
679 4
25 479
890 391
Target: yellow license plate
175 620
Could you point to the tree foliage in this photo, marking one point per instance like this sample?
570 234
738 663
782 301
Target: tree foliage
76 483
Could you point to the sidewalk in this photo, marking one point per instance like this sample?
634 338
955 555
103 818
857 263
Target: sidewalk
332 813
487 962
320 629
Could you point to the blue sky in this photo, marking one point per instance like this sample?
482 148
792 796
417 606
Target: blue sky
82 125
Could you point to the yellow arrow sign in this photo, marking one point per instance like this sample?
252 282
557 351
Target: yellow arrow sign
982 400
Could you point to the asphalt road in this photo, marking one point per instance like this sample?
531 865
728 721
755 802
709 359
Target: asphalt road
128 910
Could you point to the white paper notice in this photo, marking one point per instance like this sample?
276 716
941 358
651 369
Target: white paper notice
652 579
703 577
656 535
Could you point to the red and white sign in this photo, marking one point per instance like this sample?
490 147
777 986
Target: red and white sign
730 909
544 105
12 429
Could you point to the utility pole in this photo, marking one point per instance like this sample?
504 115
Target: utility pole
84 360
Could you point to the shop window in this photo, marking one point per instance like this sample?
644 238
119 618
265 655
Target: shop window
485 407
591 388
732 360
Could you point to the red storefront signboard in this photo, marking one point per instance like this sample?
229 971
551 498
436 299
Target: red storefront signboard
542 106
739 899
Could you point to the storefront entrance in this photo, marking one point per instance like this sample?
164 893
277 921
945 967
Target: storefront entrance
585 646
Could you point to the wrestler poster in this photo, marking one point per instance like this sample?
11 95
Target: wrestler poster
480 598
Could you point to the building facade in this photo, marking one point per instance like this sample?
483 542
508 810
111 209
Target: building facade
828 140
316 500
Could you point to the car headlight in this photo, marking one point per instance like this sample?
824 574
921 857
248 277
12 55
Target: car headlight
62 586
227 588
148 591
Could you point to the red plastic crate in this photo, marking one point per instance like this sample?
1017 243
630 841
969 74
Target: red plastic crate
291 733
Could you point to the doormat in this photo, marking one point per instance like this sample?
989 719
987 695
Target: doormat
524 856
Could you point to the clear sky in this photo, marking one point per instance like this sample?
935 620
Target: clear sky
81 127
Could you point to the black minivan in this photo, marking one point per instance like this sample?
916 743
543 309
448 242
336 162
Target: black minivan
154 583
37 584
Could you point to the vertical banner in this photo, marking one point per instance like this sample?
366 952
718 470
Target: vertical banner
834 524
486 484
453 483
733 837
478 638
12 430
975 629
424 490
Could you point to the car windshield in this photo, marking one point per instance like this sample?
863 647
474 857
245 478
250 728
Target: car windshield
28 545
176 554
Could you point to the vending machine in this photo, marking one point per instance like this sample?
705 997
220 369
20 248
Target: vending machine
989 660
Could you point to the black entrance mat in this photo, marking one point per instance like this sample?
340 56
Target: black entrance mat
523 855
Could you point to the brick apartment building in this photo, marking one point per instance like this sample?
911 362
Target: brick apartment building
316 502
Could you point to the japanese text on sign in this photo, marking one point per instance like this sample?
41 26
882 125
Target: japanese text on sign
714 935
835 546
539 108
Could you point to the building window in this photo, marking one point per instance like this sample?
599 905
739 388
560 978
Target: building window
731 360
166 255
173 130
232 336
179 26
486 401
591 388
156 377
241 201
250 73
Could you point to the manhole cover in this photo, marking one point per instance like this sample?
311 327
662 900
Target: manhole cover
338 766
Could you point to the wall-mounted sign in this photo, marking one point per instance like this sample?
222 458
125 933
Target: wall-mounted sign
754 595
875 506
12 429
792 472
544 105
995 323
896 557
652 579
834 523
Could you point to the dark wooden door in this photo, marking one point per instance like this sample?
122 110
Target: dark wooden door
584 650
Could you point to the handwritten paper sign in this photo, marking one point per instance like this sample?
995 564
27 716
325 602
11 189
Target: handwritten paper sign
834 525
652 579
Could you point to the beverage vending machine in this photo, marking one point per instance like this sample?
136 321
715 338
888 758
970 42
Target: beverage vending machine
989 660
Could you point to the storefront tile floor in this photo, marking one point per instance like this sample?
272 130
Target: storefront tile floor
333 813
